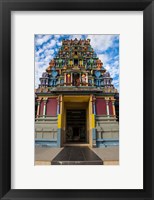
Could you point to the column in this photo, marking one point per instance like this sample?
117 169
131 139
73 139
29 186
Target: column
57 105
92 127
38 107
113 107
60 104
44 108
86 79
94 107
59 124
64 78
107 108
71 79
80 80
92 81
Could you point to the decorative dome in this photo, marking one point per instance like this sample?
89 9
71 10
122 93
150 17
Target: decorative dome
44 75
107 74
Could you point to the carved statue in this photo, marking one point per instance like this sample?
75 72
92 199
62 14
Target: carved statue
77 82
99 64
69 132
52 63
99 130
84 79
82 132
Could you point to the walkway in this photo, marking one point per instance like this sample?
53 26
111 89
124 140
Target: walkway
45 155
76 156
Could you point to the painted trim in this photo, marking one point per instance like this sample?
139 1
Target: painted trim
59 137
94 137
46 142
92 121
59 120
105 142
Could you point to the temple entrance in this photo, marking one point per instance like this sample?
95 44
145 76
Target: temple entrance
76 121
76 126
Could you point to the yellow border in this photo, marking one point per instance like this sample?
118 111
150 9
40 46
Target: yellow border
59 120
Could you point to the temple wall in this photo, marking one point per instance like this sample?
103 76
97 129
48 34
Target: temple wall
100 106
102 129
46 131
107 131
51 109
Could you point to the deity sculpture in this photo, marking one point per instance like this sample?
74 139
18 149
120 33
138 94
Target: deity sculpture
69 132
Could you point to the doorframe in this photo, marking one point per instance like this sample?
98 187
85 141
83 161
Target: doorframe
72 102
86 120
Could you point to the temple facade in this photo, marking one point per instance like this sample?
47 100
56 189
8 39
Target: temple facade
75 100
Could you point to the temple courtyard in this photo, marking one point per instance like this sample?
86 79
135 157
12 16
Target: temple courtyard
77 156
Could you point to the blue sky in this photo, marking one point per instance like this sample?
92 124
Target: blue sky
105 46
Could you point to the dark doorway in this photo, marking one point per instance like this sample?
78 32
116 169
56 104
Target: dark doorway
76 79
76 126
75 61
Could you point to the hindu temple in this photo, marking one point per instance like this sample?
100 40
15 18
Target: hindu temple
76 100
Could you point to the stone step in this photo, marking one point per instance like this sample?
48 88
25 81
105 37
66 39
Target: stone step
76 156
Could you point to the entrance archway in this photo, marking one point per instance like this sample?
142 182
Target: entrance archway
76 121
76 125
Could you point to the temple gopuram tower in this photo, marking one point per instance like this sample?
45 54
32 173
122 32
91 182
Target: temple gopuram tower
75 101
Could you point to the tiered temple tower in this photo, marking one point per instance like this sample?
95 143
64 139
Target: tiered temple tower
76 100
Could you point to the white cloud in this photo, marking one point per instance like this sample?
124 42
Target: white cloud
50 44
113 69
48 52
48 58
37 53
107 67
115 82
42 56
56 36
39 36
40 40
103 57
75 36
59 44
101 42
40 67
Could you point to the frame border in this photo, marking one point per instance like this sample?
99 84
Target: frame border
6 6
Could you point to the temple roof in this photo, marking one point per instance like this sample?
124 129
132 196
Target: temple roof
77 65
75 53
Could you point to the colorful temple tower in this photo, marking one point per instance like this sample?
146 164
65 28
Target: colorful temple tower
75 101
